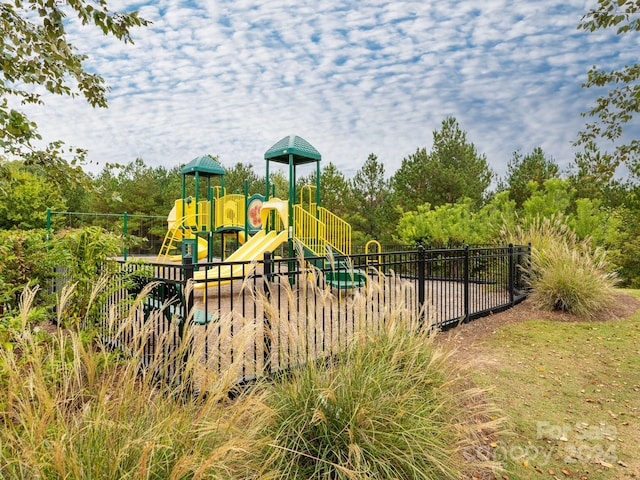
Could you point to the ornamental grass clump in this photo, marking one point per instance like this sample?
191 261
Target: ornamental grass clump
71 408
572 280
389 407
565 272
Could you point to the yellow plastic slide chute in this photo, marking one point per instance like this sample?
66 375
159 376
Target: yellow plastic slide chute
253 249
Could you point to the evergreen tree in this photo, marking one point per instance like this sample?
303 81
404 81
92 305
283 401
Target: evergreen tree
373 212
522 169
451 171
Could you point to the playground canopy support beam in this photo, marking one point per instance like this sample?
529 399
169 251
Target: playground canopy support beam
293 151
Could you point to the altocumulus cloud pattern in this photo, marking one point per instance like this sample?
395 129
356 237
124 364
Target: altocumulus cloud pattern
353 77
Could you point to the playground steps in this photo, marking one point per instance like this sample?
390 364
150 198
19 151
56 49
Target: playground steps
200 317
341 274
338 271
168 244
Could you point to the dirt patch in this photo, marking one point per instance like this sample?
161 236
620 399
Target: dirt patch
466 337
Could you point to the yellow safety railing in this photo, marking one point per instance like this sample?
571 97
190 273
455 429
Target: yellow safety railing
309 230
199 220
204 215
337 231
230 211
319 227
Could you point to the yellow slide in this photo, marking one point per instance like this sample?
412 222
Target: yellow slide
251 251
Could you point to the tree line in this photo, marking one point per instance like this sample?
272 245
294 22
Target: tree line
440 195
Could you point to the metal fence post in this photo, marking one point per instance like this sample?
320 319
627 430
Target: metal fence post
188 267
421 280
466 284
125 229
187 293
528 279
511 275
268 278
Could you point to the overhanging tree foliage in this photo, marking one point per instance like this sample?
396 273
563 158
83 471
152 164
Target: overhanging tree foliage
592 175
618 107
37 58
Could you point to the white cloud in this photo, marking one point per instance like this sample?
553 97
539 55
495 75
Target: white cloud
353 78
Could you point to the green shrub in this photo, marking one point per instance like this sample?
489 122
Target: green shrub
26 260
388 408
455 223
30 257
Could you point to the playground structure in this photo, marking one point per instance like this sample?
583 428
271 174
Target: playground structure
260 223
193 221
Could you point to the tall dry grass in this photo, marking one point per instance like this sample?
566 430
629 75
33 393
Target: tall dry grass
565 272
73 409
391 406
386 404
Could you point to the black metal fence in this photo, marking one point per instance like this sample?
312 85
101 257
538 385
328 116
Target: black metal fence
264 317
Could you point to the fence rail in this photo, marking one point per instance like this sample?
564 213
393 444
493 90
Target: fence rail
282 312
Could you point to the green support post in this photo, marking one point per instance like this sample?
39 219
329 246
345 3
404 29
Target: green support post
267 182
292 199
197 198
125 231
48 224
318 184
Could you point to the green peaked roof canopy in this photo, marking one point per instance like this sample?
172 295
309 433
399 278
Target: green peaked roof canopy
302 151
205 165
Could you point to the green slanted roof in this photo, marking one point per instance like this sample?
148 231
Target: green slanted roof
205 165
302 151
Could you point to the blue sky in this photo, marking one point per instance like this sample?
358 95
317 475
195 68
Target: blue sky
231 78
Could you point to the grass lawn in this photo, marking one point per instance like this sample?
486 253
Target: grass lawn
571 393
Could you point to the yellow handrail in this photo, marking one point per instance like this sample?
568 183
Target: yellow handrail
378 250
308 230
176 232
218 191
337 231
318 232
311 190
